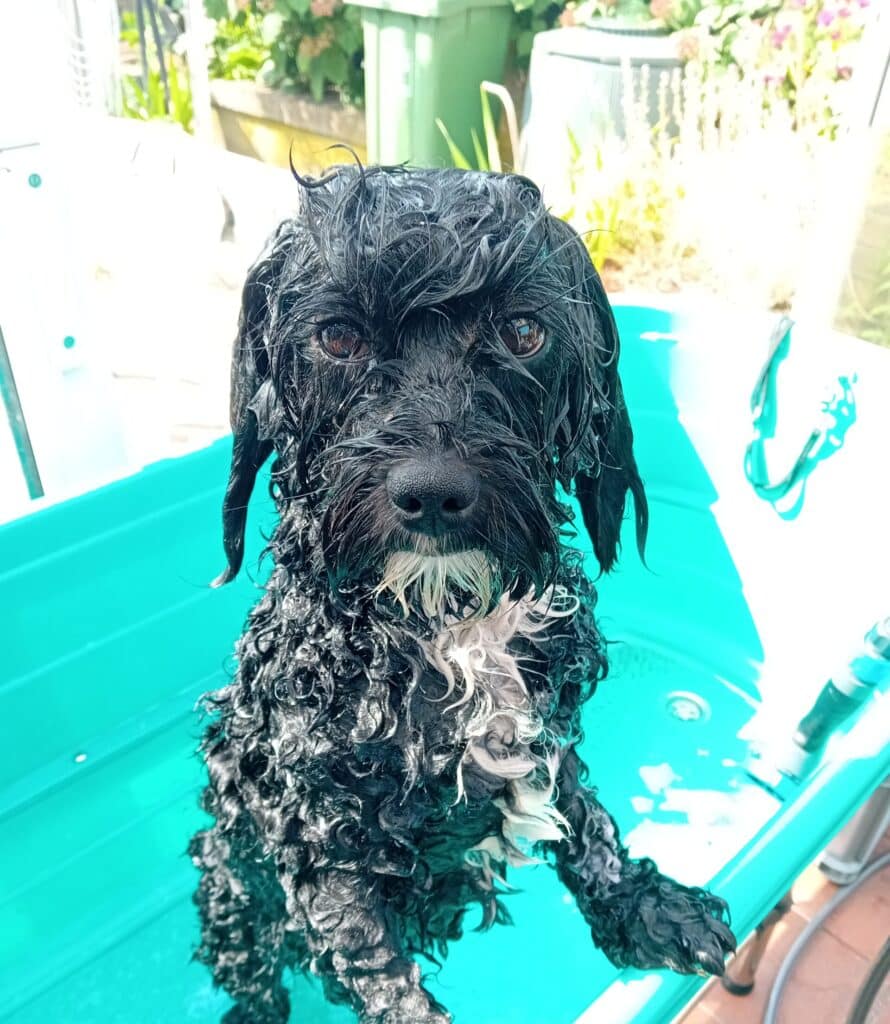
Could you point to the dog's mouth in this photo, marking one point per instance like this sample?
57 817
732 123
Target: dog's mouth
461 583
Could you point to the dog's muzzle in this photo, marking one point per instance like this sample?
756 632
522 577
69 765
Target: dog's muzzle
434 495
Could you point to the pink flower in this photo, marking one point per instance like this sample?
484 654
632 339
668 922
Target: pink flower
774 75
780 35
844 72
661 10
323 8
688 44
825 17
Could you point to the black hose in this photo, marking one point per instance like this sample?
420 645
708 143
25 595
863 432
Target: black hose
871 986
771 1013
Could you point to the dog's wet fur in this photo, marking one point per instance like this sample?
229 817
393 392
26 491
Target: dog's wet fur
404 720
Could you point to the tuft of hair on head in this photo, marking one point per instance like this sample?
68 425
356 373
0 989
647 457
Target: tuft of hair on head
309 182
431 583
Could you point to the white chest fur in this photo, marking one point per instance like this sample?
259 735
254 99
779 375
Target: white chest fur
506 738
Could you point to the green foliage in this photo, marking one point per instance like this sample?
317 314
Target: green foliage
674 14
146 102
619 215
316 46
800 48
305 46
487 158
532 16
803 51
319 48
458 158
129 31
491 135
240 47
626 11
598 218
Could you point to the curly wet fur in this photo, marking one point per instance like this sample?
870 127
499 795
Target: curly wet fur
405 714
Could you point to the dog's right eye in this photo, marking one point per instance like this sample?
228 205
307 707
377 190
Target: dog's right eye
523 337
342 342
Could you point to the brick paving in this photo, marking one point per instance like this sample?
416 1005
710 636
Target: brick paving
825 980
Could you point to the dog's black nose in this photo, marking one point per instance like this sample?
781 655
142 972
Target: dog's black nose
433 495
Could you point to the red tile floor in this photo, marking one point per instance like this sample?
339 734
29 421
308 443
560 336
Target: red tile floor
825 980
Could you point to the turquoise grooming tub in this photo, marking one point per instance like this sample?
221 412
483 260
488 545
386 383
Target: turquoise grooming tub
111 634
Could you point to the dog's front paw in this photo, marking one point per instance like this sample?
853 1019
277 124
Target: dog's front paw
671 925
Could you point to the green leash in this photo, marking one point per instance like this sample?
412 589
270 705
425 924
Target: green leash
838 415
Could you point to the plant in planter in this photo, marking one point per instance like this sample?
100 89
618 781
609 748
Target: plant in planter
652 217
240 49
715 17
615 16
317 47
487 157
577 79
301 46
802 48
286 79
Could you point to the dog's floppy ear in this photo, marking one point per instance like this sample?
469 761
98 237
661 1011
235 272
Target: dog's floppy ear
602 491
599 458
252 395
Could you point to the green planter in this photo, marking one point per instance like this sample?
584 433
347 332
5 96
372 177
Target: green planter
426 59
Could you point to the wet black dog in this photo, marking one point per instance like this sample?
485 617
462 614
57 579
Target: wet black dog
428 354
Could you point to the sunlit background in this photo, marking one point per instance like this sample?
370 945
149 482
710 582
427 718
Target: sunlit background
732 150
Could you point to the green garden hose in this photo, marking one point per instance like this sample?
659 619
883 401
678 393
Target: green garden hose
839 414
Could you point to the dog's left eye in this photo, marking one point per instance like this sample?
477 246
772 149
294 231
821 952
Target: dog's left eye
523 337
340 341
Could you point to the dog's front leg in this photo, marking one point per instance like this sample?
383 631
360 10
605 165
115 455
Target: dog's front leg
355 951
637 916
